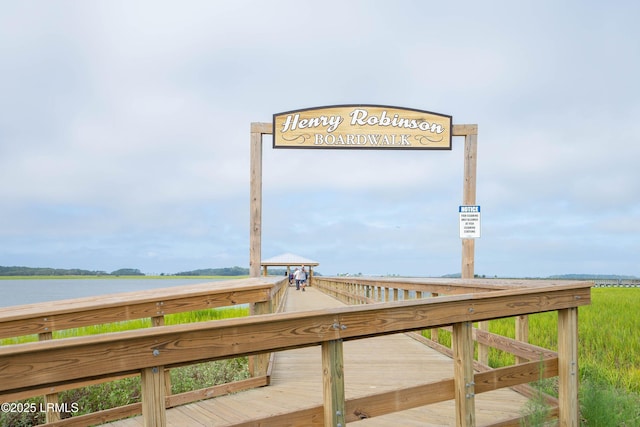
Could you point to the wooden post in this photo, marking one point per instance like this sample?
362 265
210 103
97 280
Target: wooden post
470 133
259 363
469 193
462 340
155 322
153 406
568 381
333 383
255 208
51 399
522 333
434 331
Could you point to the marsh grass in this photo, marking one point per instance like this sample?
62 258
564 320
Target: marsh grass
608 351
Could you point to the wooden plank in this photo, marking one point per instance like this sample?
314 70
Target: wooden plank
12 397
101 417
522 350
309 417
58 361
215 391
464 130
118 299
509 376
262 128
568 367
48 317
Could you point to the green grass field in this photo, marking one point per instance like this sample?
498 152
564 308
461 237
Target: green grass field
608 343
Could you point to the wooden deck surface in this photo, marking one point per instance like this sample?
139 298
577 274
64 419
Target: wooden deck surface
371 366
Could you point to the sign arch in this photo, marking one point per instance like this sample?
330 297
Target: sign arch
359 126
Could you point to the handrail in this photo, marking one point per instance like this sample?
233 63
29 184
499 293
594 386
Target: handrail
73 313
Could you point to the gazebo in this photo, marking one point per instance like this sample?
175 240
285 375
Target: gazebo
288 260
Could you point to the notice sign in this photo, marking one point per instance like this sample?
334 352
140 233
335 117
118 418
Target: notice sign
362 127
469 221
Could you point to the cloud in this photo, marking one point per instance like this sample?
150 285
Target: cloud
124 134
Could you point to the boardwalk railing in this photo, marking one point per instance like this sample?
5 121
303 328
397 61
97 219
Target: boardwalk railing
49 364
359 290
264 295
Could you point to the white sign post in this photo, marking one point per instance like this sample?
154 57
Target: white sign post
469 222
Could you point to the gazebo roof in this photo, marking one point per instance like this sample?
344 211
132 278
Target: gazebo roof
288 259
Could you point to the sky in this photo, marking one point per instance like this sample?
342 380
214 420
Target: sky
125 134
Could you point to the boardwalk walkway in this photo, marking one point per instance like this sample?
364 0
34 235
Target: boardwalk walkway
371 366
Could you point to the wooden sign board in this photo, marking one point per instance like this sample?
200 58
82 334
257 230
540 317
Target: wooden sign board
362 127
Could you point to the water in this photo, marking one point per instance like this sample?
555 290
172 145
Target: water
29 291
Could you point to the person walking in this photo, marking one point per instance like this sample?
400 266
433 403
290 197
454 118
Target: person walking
303 278
296 276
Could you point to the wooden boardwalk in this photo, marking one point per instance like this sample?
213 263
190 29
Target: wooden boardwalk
371 366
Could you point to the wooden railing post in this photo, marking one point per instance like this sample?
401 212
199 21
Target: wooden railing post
568 406
434 331
483 349
51 399
152 385
333 383
259 364
462 340
155 322
522 333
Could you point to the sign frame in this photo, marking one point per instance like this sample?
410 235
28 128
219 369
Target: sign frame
363 127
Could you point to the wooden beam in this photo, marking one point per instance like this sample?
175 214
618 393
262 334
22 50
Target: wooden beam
262 128
49 317
464 130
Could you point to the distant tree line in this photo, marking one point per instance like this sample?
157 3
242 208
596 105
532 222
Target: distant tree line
30 271
226 271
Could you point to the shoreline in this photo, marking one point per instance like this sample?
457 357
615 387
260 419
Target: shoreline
107 276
